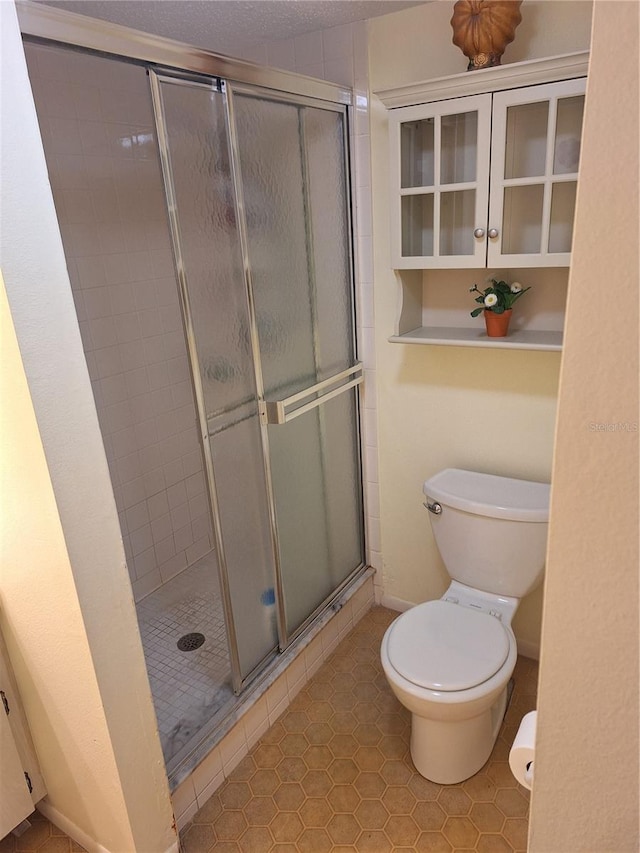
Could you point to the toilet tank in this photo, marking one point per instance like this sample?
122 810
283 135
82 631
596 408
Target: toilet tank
491 531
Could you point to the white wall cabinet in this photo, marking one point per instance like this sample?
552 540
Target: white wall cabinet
487 180
484 180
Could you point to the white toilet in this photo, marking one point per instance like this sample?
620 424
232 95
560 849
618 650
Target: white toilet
449 661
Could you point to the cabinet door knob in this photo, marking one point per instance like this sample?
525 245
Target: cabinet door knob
493 232
479 232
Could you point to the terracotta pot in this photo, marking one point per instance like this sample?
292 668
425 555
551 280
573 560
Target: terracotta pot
497 324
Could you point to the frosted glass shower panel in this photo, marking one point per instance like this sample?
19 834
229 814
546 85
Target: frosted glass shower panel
292 162
204 198
316 485
329 239
248 550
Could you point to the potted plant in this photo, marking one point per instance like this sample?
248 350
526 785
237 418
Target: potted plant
496 301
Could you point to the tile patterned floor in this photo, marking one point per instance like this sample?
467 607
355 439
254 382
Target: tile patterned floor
42 837
334 774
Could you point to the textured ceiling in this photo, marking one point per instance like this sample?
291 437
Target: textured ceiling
225 25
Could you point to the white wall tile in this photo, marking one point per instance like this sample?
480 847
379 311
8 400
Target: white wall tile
165 549
184 802
337 42
308 50
113 389
253 53
311 69
338 71
141 540
198 549
132 493
370 427
256 721
173 567
207 771
233 748
180 516
373 500
123 441
116 268
281 54
183 537
365 259
146 566
373 533
371 464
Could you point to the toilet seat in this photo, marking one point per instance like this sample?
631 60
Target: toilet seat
443 646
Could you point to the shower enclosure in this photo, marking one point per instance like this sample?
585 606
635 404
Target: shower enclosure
192 200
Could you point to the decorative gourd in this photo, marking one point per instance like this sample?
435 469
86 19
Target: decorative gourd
483 28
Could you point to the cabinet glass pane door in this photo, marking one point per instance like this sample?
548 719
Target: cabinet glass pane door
534 173
442 160
417 141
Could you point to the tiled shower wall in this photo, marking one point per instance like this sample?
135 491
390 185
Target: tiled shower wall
96 121
340 55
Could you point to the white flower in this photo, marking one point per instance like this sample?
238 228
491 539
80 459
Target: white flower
490 300
515 287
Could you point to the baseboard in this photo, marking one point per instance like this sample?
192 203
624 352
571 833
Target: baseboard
394 603
70 828
79 835
528 649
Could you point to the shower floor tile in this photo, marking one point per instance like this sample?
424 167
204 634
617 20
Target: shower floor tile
188 687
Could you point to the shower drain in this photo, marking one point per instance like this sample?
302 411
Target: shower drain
190 642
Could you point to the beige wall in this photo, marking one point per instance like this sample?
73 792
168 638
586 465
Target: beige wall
416 44
588 695
67 610
485 409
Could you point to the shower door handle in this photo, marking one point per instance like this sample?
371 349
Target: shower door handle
285 410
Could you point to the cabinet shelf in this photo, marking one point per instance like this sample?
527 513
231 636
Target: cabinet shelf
528 339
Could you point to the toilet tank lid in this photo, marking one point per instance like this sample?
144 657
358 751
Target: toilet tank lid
490 495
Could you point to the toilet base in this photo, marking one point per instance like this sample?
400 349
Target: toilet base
449 752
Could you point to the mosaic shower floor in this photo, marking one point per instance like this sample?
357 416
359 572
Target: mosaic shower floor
334 774
188 687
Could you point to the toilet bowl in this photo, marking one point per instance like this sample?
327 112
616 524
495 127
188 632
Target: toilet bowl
449 661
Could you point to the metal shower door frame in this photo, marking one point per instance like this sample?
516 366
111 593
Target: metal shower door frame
270 412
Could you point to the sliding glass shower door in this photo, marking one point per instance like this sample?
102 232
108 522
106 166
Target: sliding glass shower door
257 186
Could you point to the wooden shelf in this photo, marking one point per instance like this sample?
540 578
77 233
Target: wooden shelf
529 339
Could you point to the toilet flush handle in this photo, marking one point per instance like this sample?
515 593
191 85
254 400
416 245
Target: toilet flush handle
434 507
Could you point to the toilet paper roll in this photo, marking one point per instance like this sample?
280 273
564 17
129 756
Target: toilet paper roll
522 753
